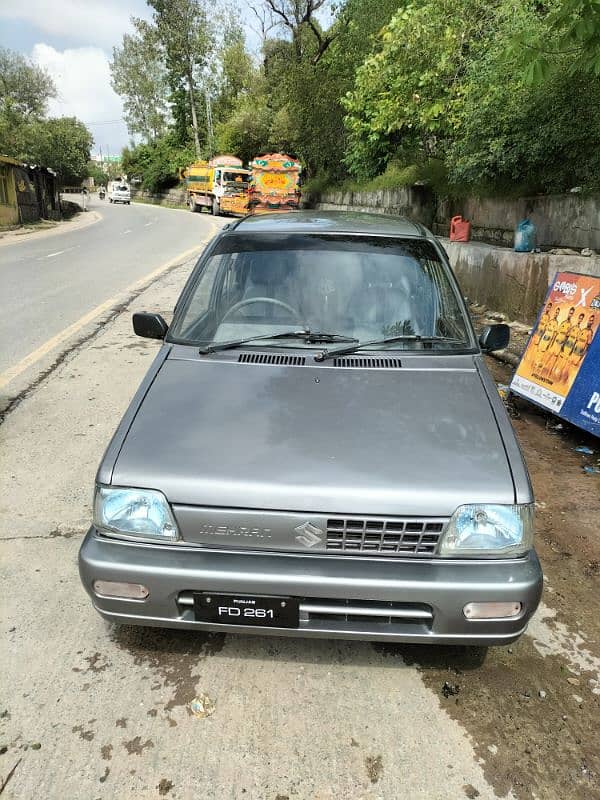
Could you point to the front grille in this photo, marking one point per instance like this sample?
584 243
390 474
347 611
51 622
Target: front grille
368 362
402 537
273 359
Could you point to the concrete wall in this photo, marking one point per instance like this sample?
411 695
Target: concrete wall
567 220
174 197
416 202
514 283
561 220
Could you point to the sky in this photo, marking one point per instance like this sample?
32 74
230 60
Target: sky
73 40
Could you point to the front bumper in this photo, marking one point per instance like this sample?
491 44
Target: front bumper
436 590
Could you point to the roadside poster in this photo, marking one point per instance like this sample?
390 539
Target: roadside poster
560 368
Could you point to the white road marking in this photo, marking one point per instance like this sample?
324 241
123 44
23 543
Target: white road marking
148 223
59 252
127 231
10 374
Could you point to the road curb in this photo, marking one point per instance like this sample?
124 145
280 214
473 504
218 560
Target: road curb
81 221
82 331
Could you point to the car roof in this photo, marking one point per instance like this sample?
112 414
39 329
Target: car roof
354 222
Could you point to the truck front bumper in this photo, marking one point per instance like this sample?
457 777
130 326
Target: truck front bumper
345 597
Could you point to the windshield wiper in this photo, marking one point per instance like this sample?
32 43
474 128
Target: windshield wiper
342 351
307 335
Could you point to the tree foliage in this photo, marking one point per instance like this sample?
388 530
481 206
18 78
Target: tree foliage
449 82
185 35
139 75
61 143
64 145
484 95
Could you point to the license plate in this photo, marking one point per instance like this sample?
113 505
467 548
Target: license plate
245 609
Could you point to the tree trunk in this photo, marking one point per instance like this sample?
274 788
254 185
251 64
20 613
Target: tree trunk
194 115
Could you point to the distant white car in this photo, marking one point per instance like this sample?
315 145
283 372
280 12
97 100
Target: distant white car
120 194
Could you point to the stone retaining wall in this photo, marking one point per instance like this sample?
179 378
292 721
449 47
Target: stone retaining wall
415 202
173 197
566 220
569 220
514 283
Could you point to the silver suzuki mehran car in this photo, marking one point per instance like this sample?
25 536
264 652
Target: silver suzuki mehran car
317 449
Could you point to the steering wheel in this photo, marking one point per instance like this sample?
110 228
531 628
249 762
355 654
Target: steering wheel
243 303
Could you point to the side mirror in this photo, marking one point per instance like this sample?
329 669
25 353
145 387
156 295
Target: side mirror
494 337
150 326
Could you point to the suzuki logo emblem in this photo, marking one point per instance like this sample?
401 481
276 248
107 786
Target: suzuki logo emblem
309 535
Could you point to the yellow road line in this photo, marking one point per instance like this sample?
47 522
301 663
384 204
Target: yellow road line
29 360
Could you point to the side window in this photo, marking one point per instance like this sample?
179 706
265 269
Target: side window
200 298
228 290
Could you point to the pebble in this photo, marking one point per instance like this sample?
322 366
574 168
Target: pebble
542 694
578 700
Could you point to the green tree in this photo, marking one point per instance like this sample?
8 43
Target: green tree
518 135
236 72
25 90
246 130
407 94
64 145
571 29
95 171
185 35
139 76
157 163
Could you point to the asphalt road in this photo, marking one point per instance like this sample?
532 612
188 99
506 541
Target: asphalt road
48 283
89 710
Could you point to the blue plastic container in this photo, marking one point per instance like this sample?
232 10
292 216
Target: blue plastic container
525 236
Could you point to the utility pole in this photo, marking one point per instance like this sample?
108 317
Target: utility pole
209 124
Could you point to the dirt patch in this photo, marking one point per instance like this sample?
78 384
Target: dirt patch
135 746
173 656
374 768
94 664
106 751
164 787
83 734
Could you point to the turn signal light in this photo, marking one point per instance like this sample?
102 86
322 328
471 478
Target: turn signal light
124 591
492 610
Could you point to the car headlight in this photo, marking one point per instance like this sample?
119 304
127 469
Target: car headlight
488 531
139 513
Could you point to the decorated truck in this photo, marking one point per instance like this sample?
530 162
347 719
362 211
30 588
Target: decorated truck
275 183
220 185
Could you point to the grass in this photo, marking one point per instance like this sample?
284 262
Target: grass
431 173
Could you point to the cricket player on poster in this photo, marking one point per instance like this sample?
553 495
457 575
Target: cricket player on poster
560 340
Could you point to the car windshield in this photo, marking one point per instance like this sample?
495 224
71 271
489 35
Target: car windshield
365 288
235 177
